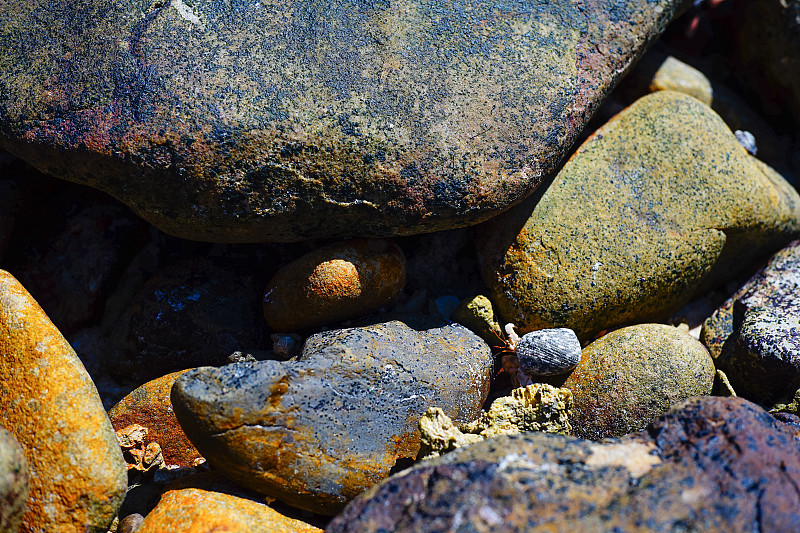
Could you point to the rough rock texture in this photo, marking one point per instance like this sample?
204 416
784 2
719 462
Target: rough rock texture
201 511
149 405
711 464
477 314
333 283
668 174
13 482
48 401
755 335
633 375
281 121
196 312
317 431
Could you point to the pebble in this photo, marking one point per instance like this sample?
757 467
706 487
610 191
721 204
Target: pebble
49 403
13 482
334 283
316 431
633 375
709 464
668 174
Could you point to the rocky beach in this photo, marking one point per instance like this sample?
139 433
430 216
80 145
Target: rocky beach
418 266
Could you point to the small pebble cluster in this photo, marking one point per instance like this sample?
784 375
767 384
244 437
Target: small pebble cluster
369 267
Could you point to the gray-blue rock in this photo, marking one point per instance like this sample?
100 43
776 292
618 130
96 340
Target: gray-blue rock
13 482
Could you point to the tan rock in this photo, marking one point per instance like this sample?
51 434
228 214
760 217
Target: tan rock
50 404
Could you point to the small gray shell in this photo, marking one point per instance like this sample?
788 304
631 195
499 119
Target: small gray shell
548 352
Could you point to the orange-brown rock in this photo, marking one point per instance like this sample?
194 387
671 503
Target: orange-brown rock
334 283
202 511
49 403
149 405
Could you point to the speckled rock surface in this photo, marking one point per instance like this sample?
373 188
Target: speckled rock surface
755 335
317 431
668 174
149 406
333 283
201 511
283 121
633 375
49 403
13 482
711 464
195 312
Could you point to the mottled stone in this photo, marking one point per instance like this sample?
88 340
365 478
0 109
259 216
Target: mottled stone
632 375
333 283
195 312
477 314
201 511
13 482
150 406
77 475
271 120
316 431
710 464
755 335
669 175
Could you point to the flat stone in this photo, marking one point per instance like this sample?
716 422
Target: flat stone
755 335
202 511
316 431
334 283
49 403
710 464
669 175
150 406
13 482
283 121
633 375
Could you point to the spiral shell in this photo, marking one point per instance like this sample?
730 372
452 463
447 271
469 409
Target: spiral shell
548 352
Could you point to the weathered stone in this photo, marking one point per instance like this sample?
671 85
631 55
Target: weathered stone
710 464
201 511
13 482
150 406
283 121
333 283
77 475
755 335
316 431
632 375
669 175
196 312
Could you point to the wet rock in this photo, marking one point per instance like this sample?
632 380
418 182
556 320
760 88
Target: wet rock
203 511
755 335
150 406
333 283
710 464
632 375
287 122
196 312
316 431
668 174
77 475
13 482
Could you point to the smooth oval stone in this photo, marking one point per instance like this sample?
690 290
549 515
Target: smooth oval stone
633 375
258 121
150 406
548 352
755 335
13 482
48 401
334 283
317 431
711 464
202 511
667 174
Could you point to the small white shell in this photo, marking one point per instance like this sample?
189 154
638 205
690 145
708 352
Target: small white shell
548 352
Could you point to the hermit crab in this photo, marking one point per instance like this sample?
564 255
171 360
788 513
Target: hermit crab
546 352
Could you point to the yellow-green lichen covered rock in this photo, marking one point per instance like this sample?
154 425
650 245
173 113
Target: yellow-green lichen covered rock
658 204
